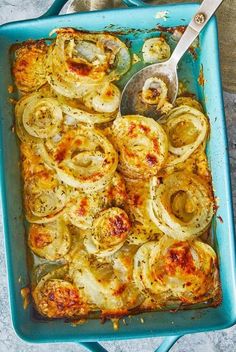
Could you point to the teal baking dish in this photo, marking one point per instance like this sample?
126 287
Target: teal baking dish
142 19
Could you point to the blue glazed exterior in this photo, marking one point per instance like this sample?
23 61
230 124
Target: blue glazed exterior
155 323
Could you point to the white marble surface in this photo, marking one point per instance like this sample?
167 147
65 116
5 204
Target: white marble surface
220 341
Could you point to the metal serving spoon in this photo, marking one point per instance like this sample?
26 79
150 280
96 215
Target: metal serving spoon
167 71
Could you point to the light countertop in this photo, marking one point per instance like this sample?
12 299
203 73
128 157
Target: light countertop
220 341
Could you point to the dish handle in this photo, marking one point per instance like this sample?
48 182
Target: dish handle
167 343
93 346
54 9
165 346
57 5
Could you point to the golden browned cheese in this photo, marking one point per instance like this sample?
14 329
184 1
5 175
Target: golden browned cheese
29 66
32 163
115 193
168 270
108 233
60 299
142 145
44 197
39 237
51 240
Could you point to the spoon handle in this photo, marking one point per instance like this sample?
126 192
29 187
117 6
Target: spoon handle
198 22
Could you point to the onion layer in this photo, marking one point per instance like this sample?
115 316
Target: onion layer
45 197
182 205
193 103
37 116
171 270
108 285
142 144
42 117
154 92
82 158
76 112
23 135
50 241
186 128
105 99
109 232
155 50
83 207
78 62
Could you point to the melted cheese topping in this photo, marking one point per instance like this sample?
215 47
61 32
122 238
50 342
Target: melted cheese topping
45 197
82 158
56 297
84 207
108 233
182 205
168 270
108 285
142 145
119 200
29 66
50 241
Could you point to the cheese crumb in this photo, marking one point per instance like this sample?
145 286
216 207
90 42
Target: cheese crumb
10 89
162 15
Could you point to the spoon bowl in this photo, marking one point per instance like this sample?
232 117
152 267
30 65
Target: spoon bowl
131 102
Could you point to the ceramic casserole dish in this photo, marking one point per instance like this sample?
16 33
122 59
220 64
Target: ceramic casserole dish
133 24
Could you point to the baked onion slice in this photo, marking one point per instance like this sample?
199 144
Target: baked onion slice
106 284
142 144
51 241
108 233
37 117
45 197
105 99
182 205
21 132
29 66
76 112
143 228
79 61
176 270
83 207
83 158
155 50
42 117
55 296
187 128
154 92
